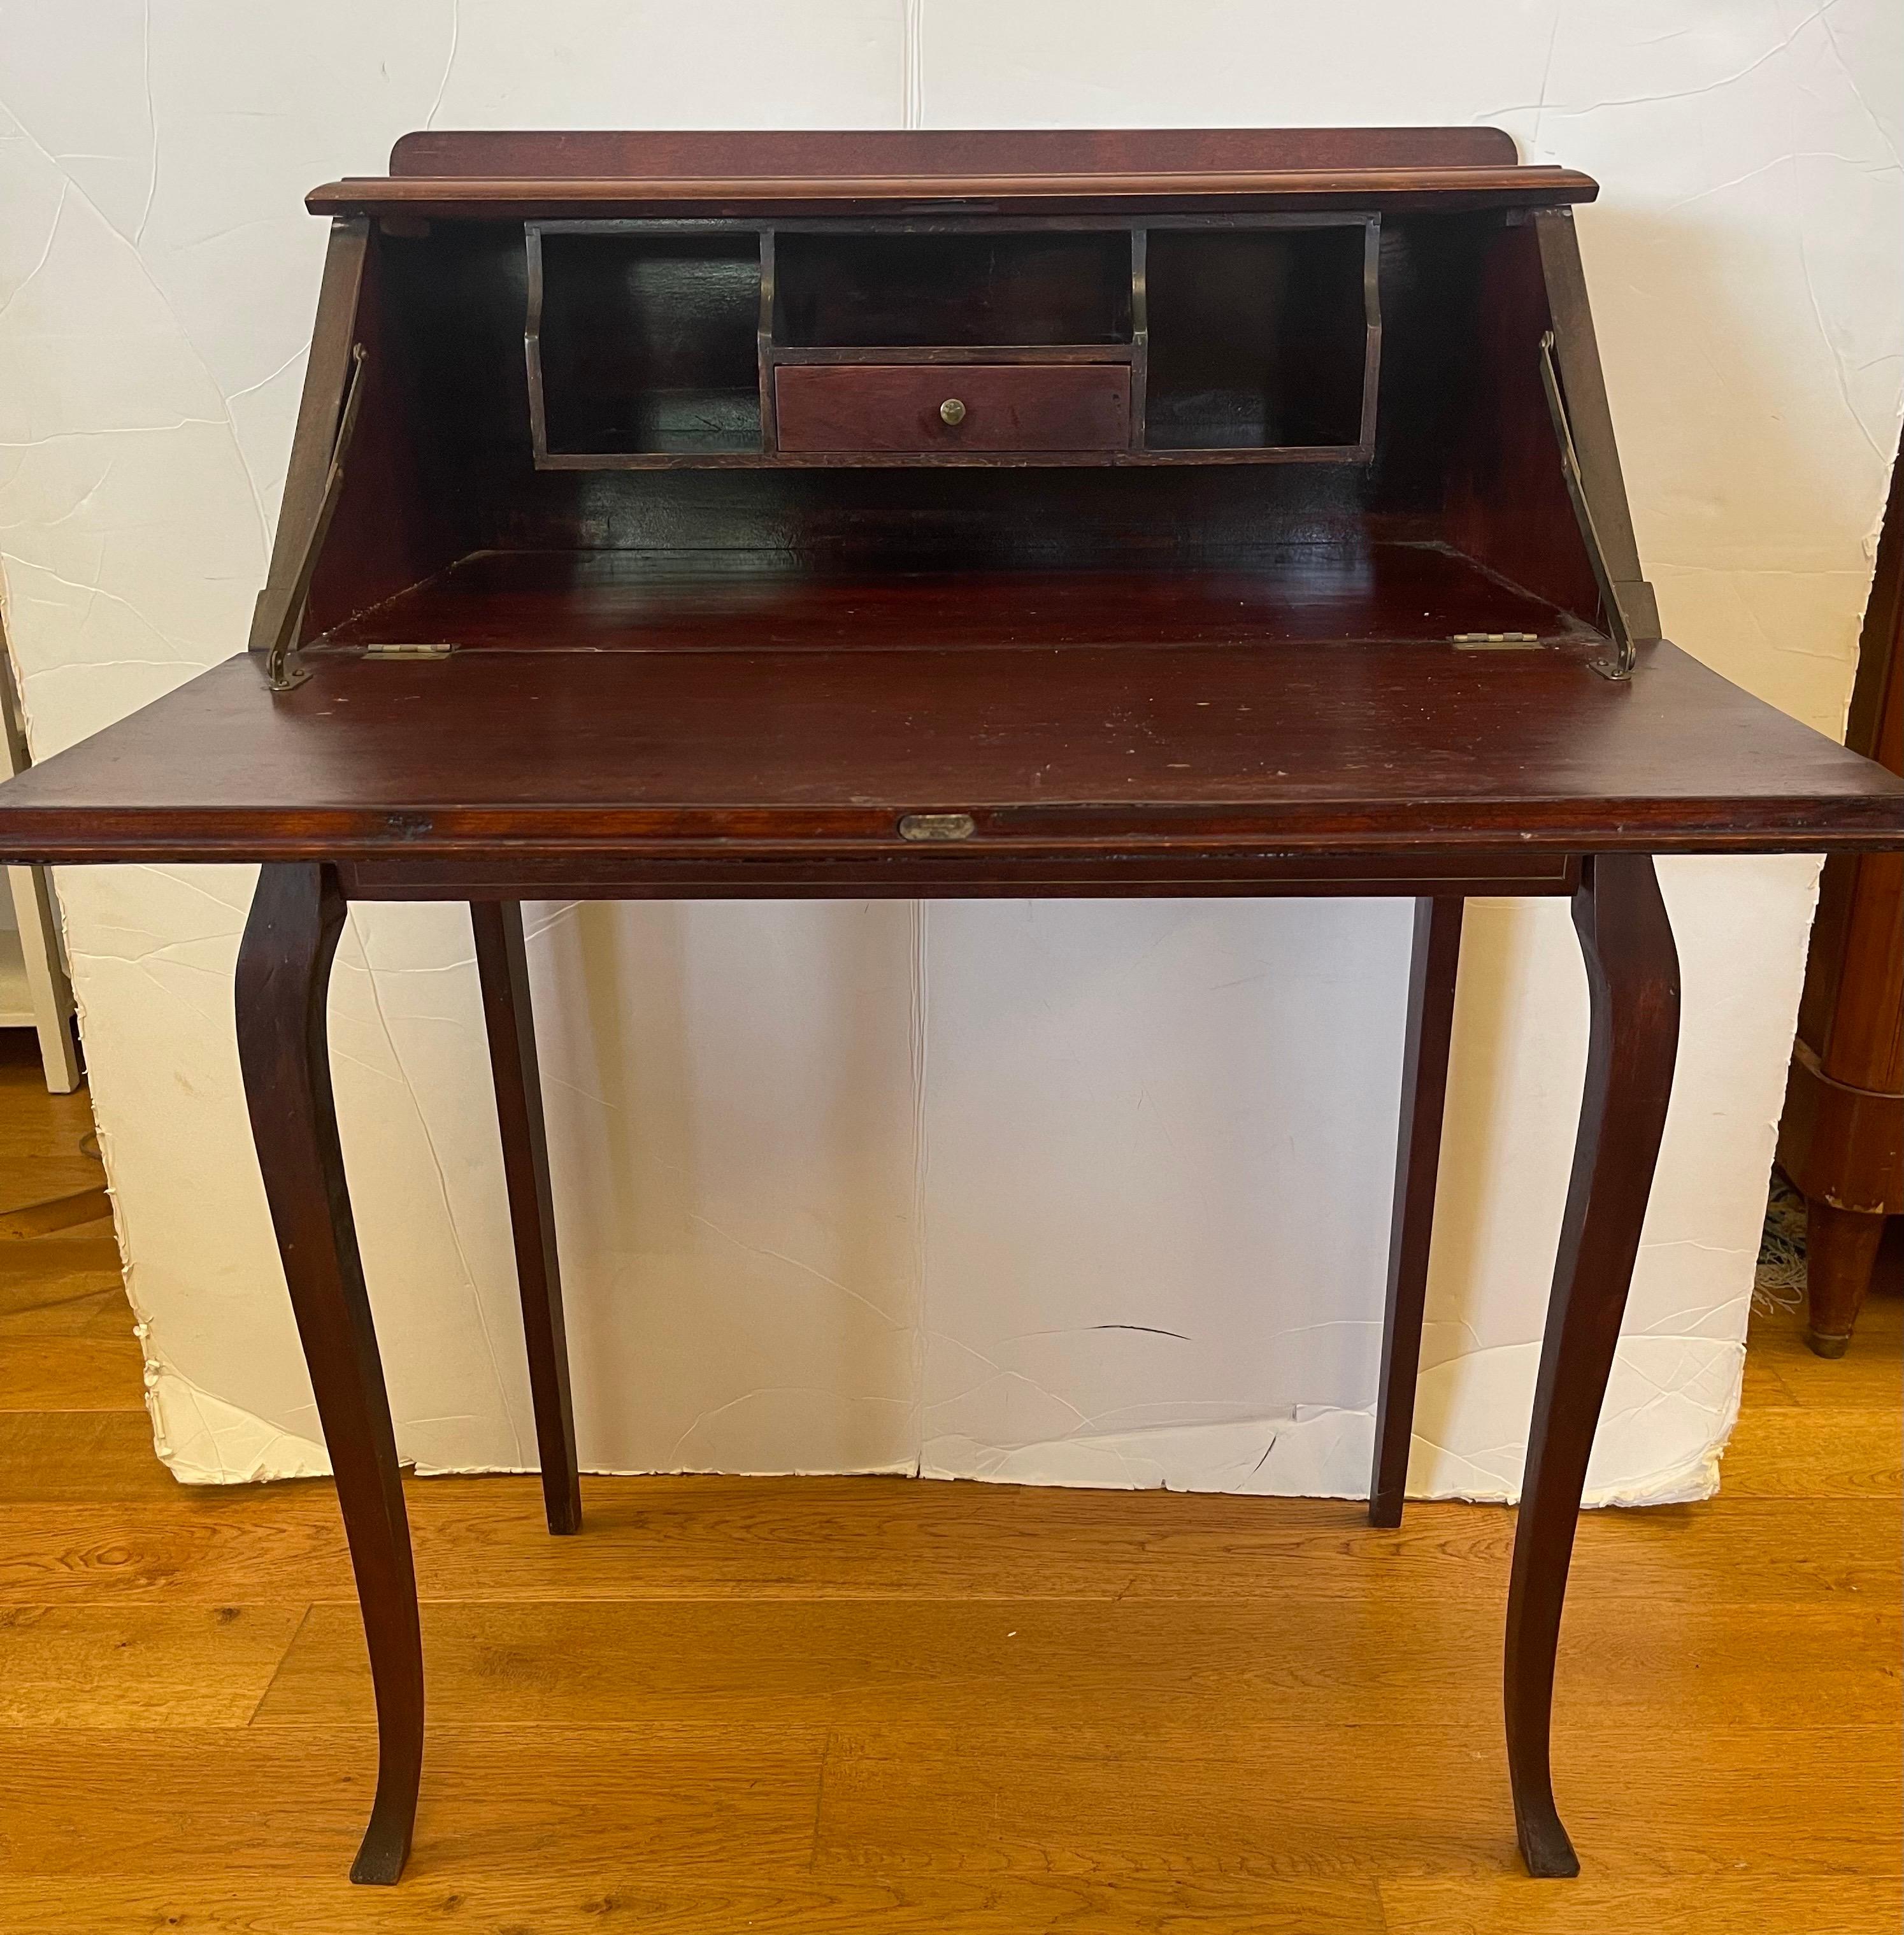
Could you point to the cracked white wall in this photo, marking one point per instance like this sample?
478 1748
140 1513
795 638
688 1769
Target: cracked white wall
1075 1193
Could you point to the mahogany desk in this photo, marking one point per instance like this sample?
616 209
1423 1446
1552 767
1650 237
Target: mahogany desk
921 514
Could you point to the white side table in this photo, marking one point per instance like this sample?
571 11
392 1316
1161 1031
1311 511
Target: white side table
34 991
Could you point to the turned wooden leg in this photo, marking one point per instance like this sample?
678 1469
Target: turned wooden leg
502 963
1633 978
284 970
1841 1251
1418 1161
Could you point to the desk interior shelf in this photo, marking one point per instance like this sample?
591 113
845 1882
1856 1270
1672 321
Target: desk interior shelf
1338 409
952 340
642 344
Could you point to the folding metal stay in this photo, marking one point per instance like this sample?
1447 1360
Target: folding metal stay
327 418
279 674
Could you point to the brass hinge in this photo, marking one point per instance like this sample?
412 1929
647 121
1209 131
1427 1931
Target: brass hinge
1620 666
431 652
280 674
1494 642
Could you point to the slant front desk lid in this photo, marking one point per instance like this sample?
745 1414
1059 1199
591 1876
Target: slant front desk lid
1301 746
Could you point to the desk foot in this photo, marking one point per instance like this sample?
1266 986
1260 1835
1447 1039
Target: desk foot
1418 1161
503 967
386 1844
1633 980
1545 1846
284 972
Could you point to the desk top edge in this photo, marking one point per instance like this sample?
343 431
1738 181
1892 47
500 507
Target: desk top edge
510 196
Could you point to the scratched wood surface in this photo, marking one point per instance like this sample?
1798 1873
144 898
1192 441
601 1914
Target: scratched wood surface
869 1705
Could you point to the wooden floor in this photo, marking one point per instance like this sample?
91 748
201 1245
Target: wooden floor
873 1705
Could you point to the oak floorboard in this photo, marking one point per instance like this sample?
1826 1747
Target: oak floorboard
1815 1454
90 1509
73 1366
1766 1904
630 1899
1391 1802
284 1807
46 1149
1865 1378
139 1666
1226 1671
59 1457
41 1273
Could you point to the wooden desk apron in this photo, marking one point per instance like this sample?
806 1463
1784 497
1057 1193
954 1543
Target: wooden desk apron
1189 512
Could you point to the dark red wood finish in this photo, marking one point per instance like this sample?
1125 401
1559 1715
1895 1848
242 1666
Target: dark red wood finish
283 977
560 174
551 757
696 153
1633 985
604 601
1841 1139
1431 976
503 968
924 408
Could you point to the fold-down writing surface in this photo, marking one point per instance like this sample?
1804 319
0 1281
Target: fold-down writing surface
1370 748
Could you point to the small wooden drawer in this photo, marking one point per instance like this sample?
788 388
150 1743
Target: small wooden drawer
943 409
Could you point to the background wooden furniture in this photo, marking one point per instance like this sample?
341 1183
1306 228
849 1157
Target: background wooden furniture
1842 1141
1267 537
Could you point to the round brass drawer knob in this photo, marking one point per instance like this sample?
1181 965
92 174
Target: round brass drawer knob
952 411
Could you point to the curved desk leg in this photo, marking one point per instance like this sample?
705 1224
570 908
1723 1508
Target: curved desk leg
502 963
1633 978
284 971
1418 1160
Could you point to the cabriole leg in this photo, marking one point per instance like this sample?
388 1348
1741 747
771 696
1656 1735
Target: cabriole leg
284 972
1633 980
1418 1161
502 963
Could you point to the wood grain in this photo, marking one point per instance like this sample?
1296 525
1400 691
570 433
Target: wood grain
619 601
90 1510
509 1020
107 1666
281 998
287 1805
504 198
46 1149
1818 1904
1633 986
816 755
1219 1676
78 1356
55 1456
849 407
1433 967
955 1801
938 151
66 1336
624 1897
